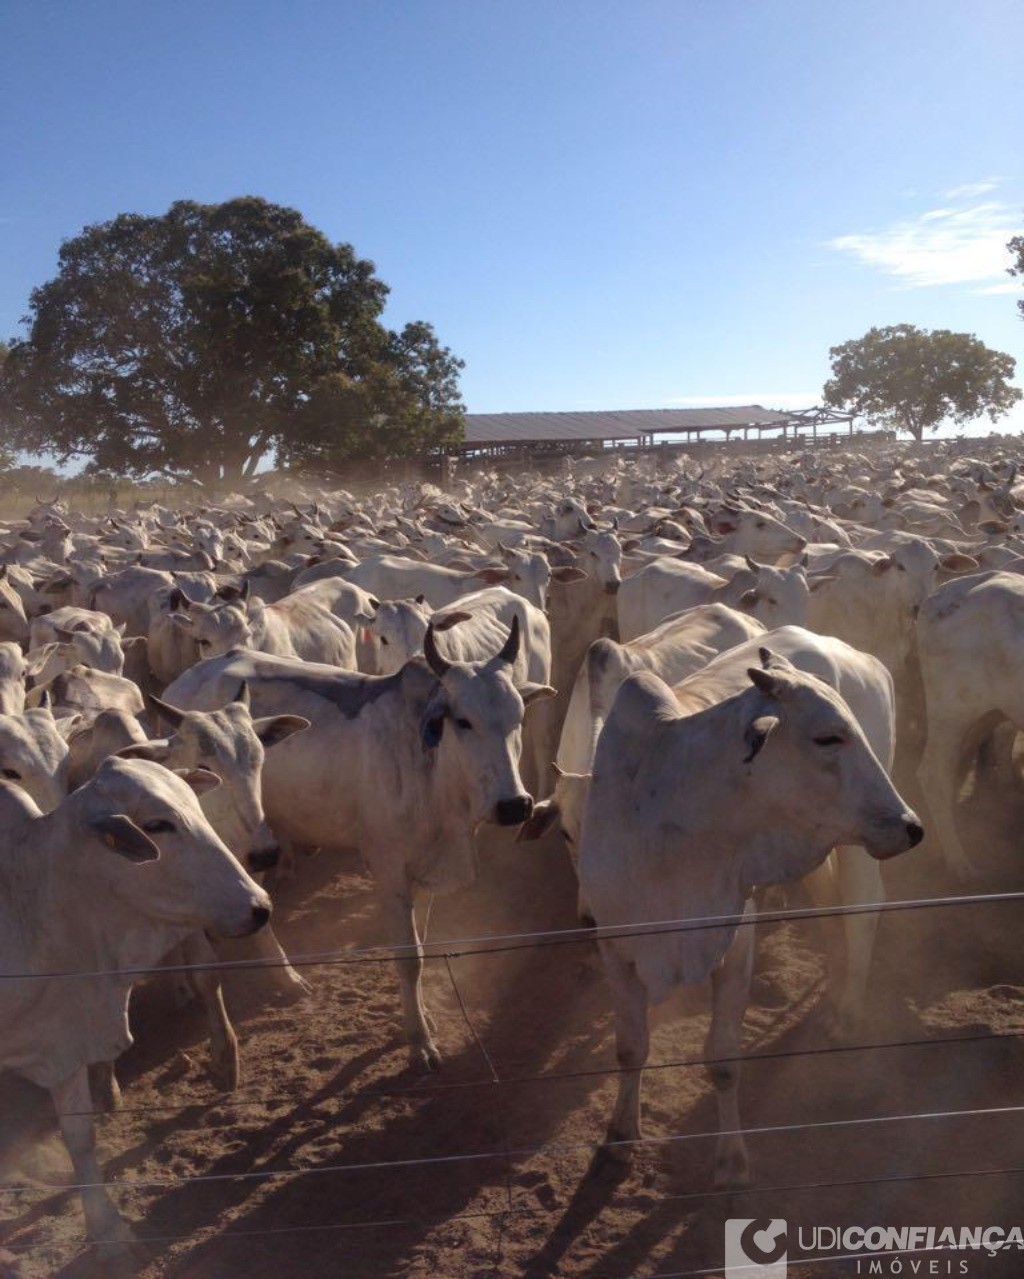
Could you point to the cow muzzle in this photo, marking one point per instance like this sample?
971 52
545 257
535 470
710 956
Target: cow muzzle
612 588
895 837
513 812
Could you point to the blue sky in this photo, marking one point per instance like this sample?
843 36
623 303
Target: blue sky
597 205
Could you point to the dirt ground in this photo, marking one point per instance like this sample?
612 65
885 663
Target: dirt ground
378 1172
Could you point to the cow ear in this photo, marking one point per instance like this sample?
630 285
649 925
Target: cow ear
492 575
758 731
451 619
567 575
882 566
67 724
765 681
201 780
122 835
432 723
170 714
748 599
540 821
531 693
818 580
956 562
276 728
158 751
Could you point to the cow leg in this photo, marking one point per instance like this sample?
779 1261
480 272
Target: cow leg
103 1086
223 1068
632 1044
860 881
939 773
73 1102
281 980
423 1054
730 992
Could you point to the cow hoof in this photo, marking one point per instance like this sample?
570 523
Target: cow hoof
732 1170
290 990
120 1252
425 1058
618 1147
224 1073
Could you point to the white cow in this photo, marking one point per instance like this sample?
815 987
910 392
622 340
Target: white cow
404 767
970 640
776 597
116 875
296 626
699 797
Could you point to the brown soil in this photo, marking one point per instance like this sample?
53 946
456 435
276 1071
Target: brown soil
325 1084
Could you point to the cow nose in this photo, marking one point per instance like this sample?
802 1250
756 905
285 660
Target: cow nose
612 588
915 832
261 859
513 812
260 916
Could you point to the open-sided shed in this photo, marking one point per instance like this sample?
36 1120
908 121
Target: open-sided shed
498 433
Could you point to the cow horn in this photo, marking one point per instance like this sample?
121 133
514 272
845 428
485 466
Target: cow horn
752 564
242 695
510 650
434 659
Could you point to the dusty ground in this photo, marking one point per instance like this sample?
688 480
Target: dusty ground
325 1085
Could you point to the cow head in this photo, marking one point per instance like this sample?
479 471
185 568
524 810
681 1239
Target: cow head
230 744
187 877
474 721
815 773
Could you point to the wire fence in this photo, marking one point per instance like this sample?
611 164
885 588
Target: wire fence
504 943
508 1154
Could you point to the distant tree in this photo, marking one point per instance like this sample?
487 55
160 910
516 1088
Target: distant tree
912 380
197 342
1016 247
6 452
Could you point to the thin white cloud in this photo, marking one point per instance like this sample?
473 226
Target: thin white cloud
971 190
948 245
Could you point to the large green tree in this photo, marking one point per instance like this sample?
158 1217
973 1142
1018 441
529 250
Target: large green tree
910 379
200 341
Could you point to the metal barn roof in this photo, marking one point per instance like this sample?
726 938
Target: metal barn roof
625 424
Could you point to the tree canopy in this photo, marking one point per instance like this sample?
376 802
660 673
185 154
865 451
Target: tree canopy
910 379
1016 247
198 342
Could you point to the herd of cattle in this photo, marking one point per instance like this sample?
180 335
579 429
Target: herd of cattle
695 672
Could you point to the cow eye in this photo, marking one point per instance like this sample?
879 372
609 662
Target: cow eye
384 640
11 774
158 826
829 739
463 723
203 643
759 524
